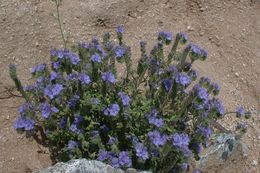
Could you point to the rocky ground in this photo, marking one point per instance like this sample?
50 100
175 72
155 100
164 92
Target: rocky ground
229 29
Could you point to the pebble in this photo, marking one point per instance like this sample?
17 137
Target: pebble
236 74
189 28
254 162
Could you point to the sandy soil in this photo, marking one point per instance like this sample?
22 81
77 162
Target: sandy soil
229 29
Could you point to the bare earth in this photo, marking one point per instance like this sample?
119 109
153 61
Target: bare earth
229 29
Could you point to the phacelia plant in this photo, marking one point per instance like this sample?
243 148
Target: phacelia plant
155 117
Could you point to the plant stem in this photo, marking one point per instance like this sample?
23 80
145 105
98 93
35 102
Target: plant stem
58 17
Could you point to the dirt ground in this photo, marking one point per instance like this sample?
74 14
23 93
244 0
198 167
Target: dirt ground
229 29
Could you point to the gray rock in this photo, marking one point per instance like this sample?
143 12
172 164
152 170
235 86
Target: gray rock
224 154
85 166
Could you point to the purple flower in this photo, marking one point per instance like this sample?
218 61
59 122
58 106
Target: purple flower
47 110
120 51
63 123
72 144
193 74
101 50
109 77
104 128
29 88
54 75
95 58
24 108
124 98
181 142
56 65
165 36
172 69
24 123
103 155
39 68
95 41
53 90
84 79
180 139
72 76
215 88
114 161
204 131
183 79
196 147
183 37
157 138
120 30
141 151
153 119
217 104
73 101
167 84
197 52
59 53
240 111
124 159
200 92
73 57
41 82
75 125
112 110
158 122
112 140
94 134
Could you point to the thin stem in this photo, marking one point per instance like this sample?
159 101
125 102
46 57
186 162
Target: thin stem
58 17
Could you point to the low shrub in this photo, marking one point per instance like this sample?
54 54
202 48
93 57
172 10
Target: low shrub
154 117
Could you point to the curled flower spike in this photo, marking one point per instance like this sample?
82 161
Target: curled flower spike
95 58
120 51
124 98
167 84
157 138
183 79
183 37
197 52
39 68
141 151
84 79
24 124
120 30
109 77
164 36
124 159
112 110
53 90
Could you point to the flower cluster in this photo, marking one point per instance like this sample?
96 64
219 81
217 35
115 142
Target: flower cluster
154 117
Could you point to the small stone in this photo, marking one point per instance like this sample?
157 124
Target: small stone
189 28
254 162
236 74
12 158
258 138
